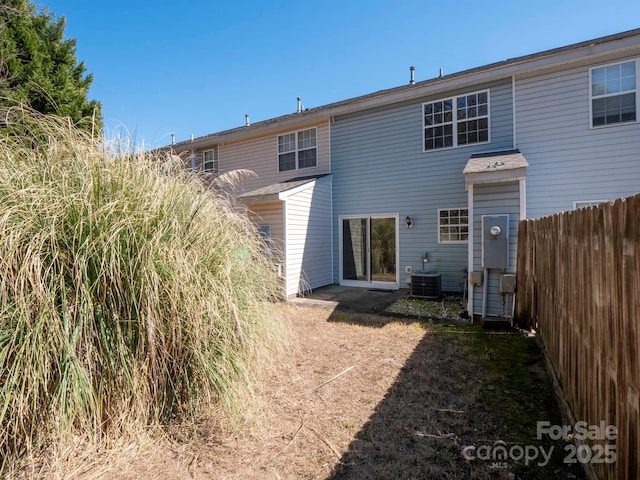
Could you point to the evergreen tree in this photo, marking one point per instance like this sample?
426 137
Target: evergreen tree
38 65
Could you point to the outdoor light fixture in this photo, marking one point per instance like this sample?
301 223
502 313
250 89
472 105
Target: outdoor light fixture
408 222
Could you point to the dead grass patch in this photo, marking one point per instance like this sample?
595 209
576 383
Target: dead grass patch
375 397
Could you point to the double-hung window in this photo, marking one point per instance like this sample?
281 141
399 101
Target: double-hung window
453 225
456 121
614 94
210 160
297 150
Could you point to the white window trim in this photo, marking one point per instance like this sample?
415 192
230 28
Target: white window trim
455 122
587 203
637 91
454 242
265 232
216 160
296 132
369 283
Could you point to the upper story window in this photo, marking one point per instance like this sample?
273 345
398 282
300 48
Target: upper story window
453 225
297 150
614 94
210 160
456 121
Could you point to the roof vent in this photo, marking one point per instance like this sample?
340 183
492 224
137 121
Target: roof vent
299 105
246 120
412 80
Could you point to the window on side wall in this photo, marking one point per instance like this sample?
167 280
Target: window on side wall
453 225
297 150
210 160
456 121
265 233
587 203
614 94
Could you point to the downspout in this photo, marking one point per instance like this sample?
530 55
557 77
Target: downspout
513 105
285 258
194 163
485 292
470 250
523 215
523 199
334 243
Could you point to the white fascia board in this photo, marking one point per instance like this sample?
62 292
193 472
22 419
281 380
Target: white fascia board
300 188
496 176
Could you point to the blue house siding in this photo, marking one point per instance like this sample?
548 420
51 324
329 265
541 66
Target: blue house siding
373 146
494 199
568 160
379 167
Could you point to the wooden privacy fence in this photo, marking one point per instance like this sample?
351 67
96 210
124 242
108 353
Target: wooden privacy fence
578 285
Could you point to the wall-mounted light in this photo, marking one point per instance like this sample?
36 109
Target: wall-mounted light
408 222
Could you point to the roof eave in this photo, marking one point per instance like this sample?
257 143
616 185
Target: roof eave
625 41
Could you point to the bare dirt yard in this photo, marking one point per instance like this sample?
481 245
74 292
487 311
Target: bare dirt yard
366 396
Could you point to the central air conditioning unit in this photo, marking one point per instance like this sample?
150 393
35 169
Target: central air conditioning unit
426 284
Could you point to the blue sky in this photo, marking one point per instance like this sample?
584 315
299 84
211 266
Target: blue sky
197 67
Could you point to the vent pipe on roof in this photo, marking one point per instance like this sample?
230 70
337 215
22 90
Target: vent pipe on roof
192 137
441 73
412 80
246 120
173 139
299 105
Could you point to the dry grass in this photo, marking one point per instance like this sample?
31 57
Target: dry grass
130 295
369 397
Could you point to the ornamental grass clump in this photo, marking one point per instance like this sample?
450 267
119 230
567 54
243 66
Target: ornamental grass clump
130 293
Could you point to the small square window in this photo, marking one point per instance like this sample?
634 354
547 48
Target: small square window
453 225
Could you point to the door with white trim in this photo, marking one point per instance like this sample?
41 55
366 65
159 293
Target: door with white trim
368 251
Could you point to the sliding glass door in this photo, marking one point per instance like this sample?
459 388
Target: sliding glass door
369 251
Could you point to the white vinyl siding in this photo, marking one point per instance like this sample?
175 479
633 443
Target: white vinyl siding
257 154
265 233
269 214
299 224
614 93
308 237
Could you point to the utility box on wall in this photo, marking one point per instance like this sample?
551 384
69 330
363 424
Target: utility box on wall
508 283
495 241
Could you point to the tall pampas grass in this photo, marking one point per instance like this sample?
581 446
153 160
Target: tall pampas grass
130 293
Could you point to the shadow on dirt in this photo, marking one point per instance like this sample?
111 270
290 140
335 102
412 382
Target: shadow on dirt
447 397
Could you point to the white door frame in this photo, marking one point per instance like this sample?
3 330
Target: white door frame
370 283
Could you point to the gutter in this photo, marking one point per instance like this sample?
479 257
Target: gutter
533 63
